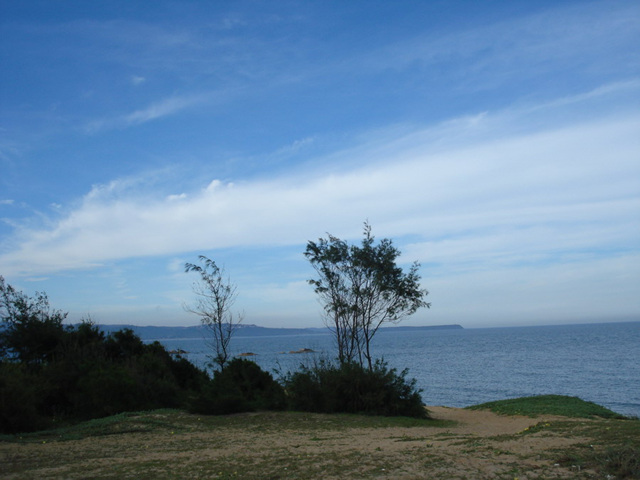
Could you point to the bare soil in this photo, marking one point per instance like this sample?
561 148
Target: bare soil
462 444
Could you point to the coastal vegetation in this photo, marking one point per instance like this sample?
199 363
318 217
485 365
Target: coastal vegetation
361 288
329 387
51 373
242 386
56 374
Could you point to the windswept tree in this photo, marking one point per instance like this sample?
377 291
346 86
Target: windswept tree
31 330
215 296
361 288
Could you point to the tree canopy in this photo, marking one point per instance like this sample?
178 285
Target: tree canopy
361 288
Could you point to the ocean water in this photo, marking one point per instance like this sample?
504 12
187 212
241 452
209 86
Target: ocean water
596 362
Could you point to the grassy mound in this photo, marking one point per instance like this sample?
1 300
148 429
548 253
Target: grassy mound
548 405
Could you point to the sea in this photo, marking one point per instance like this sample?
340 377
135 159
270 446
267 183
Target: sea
461 367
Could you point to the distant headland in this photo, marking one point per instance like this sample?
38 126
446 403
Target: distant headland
197 331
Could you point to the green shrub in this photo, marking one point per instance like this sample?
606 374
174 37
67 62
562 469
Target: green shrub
188 376
242 386
52 372
352 388
20 399
106 390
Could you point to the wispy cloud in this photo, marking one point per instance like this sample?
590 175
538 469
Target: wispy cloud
294 147
589 37
163 108
157 110
500 193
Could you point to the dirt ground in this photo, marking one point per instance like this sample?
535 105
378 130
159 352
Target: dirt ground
466 445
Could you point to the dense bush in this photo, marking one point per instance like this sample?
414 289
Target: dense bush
20 400
352 388
51 373
242 386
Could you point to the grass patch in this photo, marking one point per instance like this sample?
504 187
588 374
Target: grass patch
127 422
614 448
170 421
573 407
621 462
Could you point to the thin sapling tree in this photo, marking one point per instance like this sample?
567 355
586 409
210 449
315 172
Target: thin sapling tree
215 297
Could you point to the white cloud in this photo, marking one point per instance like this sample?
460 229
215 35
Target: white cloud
175 198
137 80
485 189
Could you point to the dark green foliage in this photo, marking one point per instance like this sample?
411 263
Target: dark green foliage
123 344
20 401
55 373
103 391
352 388
32 331
187 375
241 387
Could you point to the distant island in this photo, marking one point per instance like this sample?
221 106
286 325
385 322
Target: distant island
197 331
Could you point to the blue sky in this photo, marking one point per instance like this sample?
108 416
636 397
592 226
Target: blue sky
497 143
